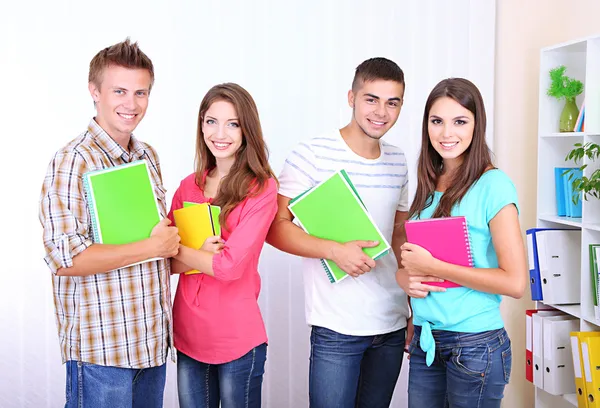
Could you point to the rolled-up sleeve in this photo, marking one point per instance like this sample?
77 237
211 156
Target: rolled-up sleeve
63 213
247 239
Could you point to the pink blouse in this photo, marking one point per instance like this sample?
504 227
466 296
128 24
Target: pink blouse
217 319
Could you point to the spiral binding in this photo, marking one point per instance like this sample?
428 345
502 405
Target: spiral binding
468 242
329 274
87 188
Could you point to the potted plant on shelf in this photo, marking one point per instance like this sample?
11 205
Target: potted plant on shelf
582 185
564 87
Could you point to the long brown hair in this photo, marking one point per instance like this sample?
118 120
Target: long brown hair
250 171
476 159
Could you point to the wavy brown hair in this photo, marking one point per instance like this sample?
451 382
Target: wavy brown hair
251 170
477 157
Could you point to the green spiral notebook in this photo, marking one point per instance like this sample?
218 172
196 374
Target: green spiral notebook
122 203
333 210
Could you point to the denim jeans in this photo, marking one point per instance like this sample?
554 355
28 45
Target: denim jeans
354 371
470 370
96 386
235 384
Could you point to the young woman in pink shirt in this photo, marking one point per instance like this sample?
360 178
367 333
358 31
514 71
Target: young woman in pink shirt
218 329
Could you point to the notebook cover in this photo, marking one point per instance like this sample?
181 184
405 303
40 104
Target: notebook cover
447 239
122 203
197 222
333 210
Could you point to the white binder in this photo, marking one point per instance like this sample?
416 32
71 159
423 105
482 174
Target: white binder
559 258
538 344
558 359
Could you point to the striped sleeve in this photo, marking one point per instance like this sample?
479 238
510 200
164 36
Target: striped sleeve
403 202
63 212
299 171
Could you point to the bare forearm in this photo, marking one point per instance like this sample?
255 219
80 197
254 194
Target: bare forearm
288 237
196 259
178 267
100 258
489 280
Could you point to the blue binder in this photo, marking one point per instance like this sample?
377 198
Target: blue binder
561 201
572 209
534 265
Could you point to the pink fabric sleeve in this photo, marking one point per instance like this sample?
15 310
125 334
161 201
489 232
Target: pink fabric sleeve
248 237
176 204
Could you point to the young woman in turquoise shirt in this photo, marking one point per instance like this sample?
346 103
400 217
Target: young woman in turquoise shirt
460 354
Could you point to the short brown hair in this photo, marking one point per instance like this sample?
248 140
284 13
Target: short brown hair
124 54
378 68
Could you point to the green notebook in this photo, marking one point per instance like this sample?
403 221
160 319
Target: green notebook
122 203
333 210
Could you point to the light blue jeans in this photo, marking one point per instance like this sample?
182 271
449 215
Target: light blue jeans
237 384
96 386
470 370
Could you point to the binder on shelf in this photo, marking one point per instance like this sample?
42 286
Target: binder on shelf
538 344
573 210
559 261
122 204
333 210
558 359
594 253
529 342
447 239
534 268
590 355
578 368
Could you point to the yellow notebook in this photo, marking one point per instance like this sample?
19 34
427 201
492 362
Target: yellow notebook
197 222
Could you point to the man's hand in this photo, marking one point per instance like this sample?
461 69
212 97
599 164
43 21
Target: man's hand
350 257
410 332
166 239
214 245
413 285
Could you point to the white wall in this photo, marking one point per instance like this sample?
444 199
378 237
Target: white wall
296 58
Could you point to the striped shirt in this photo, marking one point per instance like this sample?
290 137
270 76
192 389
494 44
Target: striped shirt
372 303
121 318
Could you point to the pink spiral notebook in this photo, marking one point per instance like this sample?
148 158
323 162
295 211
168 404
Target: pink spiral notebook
446 238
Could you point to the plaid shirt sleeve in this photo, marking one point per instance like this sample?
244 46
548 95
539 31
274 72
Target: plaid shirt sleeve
63 212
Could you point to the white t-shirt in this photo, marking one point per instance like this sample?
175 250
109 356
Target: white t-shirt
372 303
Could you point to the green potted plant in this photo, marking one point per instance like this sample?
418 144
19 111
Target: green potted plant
586 186
564 87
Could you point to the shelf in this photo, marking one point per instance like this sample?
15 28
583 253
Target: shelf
593 227
571 398
570 221
563 134
573 310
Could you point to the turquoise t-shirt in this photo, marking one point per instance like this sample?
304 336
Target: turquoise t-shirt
463 309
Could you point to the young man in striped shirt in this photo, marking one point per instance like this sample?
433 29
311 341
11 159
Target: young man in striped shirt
114 322
358 324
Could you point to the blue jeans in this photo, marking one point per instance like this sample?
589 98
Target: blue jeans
470 370
354 371
96 386
235 384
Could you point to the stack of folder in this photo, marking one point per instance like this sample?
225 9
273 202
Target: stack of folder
564 177
554 265
196 223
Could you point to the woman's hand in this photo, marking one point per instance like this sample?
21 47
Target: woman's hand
417 259
415 285
214 245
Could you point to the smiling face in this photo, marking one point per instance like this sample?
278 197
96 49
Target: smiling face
222 131
376 106
121 100
450 129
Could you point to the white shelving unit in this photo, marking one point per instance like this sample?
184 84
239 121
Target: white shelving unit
582 59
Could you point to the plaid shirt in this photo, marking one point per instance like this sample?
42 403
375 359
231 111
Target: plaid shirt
121 318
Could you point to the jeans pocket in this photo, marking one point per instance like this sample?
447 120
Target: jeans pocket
507 363
473 361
